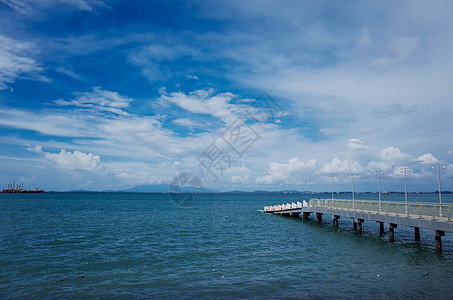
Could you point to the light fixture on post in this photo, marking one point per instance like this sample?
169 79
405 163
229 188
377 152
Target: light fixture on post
379 173
332 177
405 170
352 176
438 167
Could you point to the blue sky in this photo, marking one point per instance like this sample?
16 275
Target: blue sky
112 94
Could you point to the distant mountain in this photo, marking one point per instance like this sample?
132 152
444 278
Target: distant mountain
162 188
148 188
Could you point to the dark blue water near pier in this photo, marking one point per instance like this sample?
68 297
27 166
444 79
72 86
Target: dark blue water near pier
129 246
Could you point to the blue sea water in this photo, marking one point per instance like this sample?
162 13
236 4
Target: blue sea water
131 246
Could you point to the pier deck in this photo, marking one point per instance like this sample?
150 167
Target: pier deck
435 217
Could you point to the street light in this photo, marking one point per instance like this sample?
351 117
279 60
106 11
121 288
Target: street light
332 177
379 173
352 176
405 170
439 166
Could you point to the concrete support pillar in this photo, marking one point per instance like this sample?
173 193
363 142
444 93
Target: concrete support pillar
335 220
438 234
392 232
381 228
318 217
359 225
295 215
417 233
355 225
305 215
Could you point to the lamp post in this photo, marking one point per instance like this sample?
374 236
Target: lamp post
405 170
332 177
379 173
352 176
438 167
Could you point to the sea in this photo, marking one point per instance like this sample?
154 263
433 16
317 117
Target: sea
149 246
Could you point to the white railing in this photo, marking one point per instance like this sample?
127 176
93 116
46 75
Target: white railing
418 210
283 207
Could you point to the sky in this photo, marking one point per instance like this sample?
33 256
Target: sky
246 95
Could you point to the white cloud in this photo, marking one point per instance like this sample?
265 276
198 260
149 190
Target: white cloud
379 166
389 156
194 77
189 123
100 100
286 172
20 6
338 166
427 159
152 58
16 61
356 144
28 7
206 102
393 154
76 160
67 72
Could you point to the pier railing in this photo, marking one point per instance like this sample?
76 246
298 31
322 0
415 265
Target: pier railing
420 210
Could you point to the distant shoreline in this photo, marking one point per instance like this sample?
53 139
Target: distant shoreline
258 192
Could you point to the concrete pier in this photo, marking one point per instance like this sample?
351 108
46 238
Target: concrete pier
438 218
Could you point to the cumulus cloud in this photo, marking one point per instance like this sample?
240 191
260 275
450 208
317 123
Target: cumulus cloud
393 154
379 166
389 157
356 144
427 159
281 172
76 160
338 166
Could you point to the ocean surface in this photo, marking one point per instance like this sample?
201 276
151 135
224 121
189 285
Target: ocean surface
133 246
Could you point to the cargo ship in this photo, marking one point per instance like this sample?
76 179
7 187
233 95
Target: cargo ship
19 188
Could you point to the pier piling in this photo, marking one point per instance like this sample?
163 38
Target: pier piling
392 232
438 234
381 228
417 233
359 225
318 217
335 220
